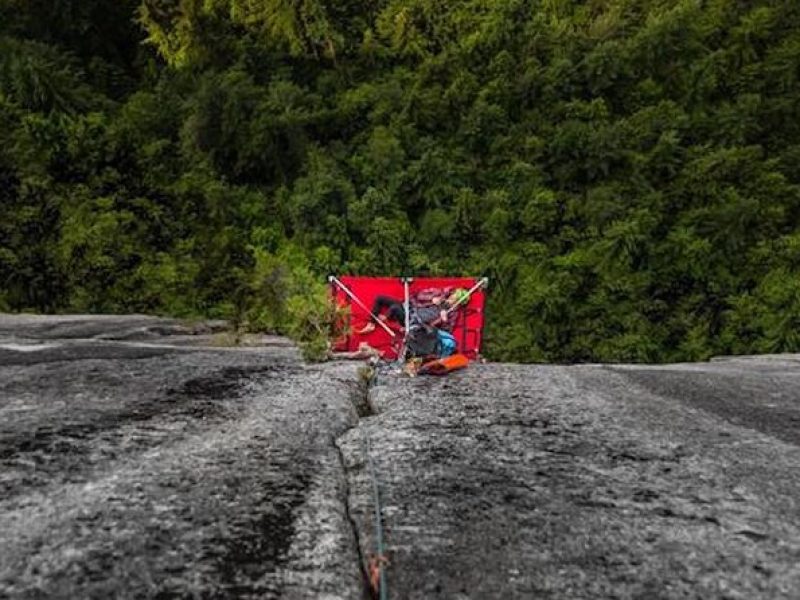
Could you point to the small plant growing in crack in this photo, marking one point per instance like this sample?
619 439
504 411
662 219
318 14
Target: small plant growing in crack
366 375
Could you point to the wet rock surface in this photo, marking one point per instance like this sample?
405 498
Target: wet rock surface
138 459
169 471
510 481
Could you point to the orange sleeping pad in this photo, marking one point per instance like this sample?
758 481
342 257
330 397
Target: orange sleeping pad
443 366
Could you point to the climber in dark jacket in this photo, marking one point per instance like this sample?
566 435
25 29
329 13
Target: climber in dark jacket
434 315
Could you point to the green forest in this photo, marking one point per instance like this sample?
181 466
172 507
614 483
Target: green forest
626 172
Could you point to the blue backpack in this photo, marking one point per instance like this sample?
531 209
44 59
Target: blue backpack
424 340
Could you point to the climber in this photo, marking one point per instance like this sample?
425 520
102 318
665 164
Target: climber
435 313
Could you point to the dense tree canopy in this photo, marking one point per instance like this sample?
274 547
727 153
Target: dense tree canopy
625 171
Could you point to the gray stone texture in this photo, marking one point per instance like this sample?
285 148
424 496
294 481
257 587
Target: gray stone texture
511 481
138 471
139 459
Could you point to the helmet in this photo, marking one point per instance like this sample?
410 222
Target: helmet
459 296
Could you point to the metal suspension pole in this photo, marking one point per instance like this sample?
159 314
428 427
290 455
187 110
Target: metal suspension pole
407 311
354 298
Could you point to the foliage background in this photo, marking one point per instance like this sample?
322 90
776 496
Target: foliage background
625 171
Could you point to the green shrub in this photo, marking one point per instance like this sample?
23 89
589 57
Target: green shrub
285 297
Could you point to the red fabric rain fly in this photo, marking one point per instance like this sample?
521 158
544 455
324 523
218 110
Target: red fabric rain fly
466 321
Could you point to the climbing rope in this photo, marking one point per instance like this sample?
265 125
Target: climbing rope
378 563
